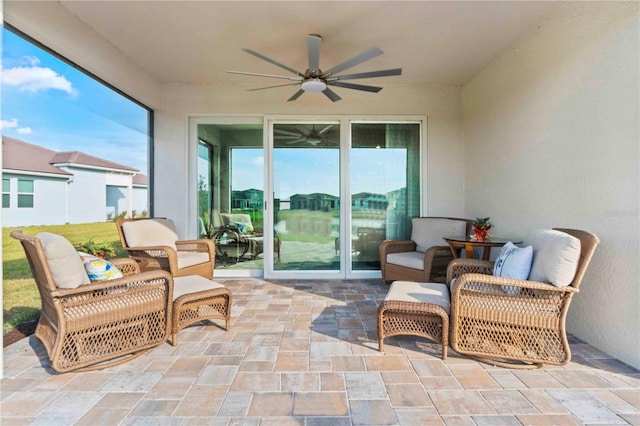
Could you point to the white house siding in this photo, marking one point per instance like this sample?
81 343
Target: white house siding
48 202
87 195
140 201
117 201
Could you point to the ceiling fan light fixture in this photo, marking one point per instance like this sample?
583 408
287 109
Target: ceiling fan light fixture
313 85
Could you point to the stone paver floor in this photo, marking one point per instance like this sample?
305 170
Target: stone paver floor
305 353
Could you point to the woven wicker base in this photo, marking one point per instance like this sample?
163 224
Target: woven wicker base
198 306
416 319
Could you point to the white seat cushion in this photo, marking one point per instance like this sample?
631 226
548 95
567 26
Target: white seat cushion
190 258
192 284
65 265
427 232
408 259
150 232
555 256
412 291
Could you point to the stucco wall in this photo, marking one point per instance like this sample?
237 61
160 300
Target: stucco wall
551 139
48 202
87 195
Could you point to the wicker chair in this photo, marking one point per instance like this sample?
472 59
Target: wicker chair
513 323
95 325
154 244
426 255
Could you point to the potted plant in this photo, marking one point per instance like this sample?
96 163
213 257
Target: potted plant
102 250
481 228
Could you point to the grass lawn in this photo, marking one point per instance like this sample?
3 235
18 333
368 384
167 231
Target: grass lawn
19 292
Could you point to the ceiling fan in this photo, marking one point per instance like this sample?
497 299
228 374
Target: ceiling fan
306 133
316 80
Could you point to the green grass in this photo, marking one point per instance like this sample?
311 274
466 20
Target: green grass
19 292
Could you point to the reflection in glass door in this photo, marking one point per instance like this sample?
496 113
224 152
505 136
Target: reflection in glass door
306 196
230 195
384 177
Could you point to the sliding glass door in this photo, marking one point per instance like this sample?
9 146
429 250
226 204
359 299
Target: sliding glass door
307 197
384 183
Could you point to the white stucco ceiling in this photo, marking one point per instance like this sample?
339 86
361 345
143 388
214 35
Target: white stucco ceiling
193 42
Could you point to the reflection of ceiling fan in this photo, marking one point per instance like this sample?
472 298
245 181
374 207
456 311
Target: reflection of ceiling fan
316 80
312 136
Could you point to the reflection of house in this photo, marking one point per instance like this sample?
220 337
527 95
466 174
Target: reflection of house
369 201
315 201
45 187
247 199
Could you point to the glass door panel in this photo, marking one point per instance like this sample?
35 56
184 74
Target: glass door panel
384 186
306 191
230 193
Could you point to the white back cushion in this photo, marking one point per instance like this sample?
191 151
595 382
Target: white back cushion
427 232
555 256
65 265
150 232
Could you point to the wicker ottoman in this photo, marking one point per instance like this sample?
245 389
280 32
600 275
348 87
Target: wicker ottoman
417 309
195 299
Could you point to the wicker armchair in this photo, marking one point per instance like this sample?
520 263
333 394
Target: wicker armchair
513 323
154 244
95 325
426 255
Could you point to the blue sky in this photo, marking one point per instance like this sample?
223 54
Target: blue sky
306 171
49 103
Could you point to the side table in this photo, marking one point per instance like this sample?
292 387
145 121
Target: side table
469 244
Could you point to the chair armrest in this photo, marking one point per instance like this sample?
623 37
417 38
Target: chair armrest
151 251
118 286
396 246
110 301
457 267
126 265
201 245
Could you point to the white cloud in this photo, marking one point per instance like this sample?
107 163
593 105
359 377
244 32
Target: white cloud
35 79
258 161
9 124
23 130
31 60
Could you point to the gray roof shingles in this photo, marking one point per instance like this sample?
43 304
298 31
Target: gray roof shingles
23 156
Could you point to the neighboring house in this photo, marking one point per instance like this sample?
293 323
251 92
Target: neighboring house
315 201
45 187
247 199
366 201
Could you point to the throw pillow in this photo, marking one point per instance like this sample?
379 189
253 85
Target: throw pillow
555 256
99 269
65 267
513 262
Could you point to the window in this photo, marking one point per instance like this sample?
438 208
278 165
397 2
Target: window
25 193
6 193
56 105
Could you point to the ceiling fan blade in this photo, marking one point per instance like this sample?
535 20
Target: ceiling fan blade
296 141
296 95
264 75
331 94
363 57
373 89
286 132
326 129
370 74
303 130
271 61
313 49
273 87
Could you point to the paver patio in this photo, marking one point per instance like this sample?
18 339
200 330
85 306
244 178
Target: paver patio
305 353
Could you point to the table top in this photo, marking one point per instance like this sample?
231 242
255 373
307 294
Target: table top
487 241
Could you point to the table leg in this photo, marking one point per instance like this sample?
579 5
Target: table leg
486 252
468 248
